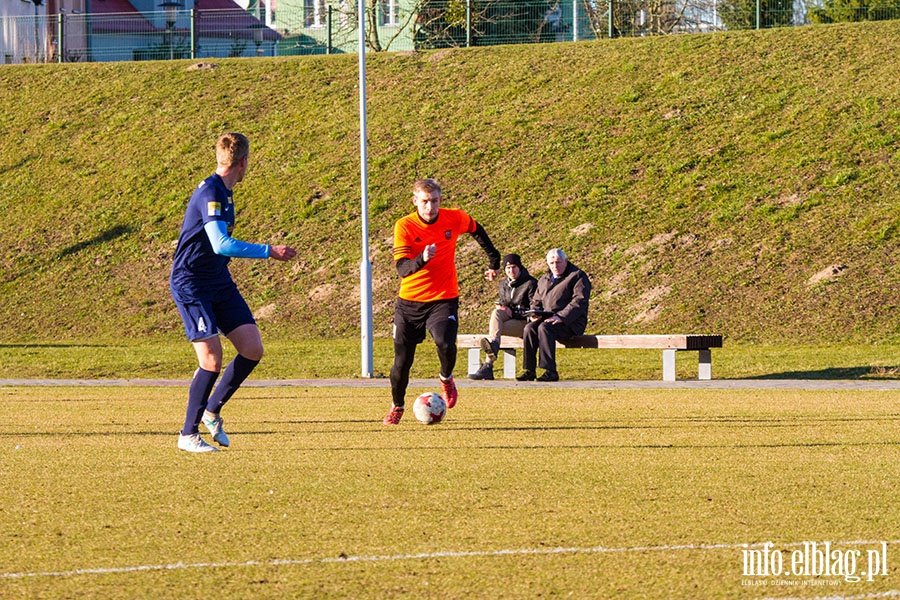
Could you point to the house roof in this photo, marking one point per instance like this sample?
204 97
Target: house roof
224 4
224 18
112 6
216 5
215 19
126 19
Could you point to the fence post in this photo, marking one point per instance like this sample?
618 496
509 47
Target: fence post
468 23
328 24
193 34
574 20
758 12
60 45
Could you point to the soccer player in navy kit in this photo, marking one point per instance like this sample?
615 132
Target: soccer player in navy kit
208 299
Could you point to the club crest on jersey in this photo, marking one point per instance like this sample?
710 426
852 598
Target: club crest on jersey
213 209
448 234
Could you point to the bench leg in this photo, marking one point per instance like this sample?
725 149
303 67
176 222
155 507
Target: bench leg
509 363
705 364
669 364
474 359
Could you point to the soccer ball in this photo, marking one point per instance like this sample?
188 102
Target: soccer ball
429 408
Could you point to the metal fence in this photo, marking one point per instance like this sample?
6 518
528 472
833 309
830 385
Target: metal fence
317 27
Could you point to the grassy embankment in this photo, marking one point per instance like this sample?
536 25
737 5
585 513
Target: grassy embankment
704 182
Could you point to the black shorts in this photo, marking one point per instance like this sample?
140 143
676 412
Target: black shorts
413 319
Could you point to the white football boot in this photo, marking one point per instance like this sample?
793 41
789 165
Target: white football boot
215 424
194 443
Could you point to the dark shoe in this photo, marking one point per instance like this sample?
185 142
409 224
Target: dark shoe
549 376
490 348
526 376
486 372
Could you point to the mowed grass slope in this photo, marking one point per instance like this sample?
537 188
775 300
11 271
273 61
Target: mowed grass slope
649 494
702 181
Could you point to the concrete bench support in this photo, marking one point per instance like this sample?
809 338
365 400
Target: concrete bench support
509 360
668 364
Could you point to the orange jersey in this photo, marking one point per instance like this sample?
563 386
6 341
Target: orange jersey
437 279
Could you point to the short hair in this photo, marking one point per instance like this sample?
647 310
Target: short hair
429 186
557 252
231 148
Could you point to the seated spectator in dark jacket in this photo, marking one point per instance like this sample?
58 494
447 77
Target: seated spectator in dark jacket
508 316
560 307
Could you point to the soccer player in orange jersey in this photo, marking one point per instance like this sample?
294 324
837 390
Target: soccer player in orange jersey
425 256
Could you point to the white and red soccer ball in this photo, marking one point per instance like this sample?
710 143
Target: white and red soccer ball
429 408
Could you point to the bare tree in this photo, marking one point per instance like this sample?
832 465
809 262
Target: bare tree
650 17
346 27
453 23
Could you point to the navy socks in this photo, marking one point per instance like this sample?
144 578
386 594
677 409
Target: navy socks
235 374
201 386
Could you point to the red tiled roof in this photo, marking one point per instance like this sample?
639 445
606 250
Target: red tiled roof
100 7
216 5
224 18
215 18
118 16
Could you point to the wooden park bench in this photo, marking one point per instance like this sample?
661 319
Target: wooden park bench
669 344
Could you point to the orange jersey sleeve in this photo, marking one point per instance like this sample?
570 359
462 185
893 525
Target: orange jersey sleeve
437 279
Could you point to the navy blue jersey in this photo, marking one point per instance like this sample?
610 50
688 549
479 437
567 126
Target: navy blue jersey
195 261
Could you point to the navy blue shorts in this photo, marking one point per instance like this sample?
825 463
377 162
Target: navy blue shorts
207 312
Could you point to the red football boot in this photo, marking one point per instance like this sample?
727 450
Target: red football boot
448 391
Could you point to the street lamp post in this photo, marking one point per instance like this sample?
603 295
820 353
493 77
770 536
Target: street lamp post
171 7
365 264
258 30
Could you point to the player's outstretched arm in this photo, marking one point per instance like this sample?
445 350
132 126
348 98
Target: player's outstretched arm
225 245
484 241
282 252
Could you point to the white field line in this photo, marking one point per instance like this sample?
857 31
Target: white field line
424 556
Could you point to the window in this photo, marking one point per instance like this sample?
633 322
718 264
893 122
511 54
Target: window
314 13
390 13
347 14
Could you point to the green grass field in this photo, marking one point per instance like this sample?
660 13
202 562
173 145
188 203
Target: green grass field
519 494
300 358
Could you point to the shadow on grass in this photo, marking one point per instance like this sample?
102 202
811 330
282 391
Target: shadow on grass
26 435
106 236
57 345
887 373
22 162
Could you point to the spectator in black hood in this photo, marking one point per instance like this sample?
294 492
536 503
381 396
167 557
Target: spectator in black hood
508 316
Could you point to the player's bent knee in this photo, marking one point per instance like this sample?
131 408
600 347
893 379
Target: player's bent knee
254 353
446 345
212 364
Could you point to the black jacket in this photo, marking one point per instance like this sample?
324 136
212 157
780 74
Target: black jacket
567 297
517 294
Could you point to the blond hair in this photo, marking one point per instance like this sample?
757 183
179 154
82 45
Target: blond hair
231 148
429 186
